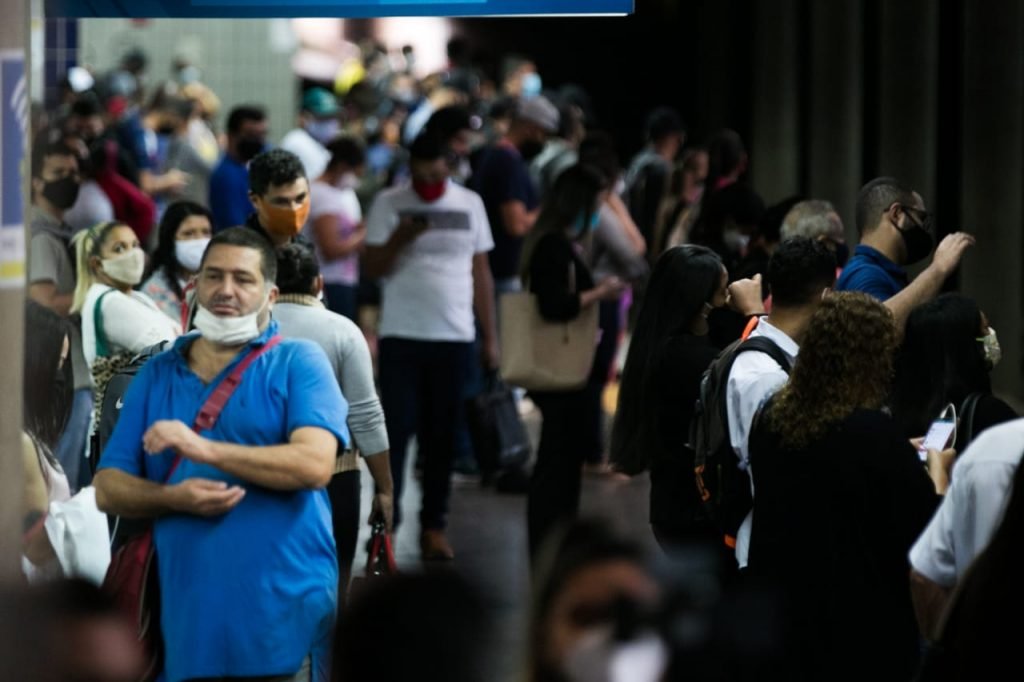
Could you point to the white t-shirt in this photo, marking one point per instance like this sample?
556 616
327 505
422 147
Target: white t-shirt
973 507
429 294
90 208
343 206
313 155
753 379
131 322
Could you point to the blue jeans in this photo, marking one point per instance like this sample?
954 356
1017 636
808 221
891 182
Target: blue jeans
421 385
70 451
341 299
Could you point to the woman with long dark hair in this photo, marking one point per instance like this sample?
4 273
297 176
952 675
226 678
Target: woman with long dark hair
947 354
552 258
668 354
840 498
185 231
47 390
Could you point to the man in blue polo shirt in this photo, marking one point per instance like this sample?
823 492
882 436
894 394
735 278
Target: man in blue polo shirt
246 556
895 231
229 184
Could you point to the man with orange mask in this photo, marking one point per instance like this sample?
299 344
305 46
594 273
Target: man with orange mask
279 191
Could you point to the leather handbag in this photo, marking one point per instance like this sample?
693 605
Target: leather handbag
540 355
131 578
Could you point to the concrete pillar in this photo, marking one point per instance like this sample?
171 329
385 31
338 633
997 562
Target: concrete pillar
13 39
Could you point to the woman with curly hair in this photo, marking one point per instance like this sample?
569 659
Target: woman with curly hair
841 497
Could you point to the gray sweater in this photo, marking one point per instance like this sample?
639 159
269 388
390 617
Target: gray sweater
303 317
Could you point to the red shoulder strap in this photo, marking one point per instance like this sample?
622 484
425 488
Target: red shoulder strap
214 405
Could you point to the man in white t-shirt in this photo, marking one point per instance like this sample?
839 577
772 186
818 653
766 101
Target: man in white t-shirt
336 224
429 241
966 520
318 125
799 273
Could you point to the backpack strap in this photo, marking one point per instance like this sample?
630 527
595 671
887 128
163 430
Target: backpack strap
765 345
102 346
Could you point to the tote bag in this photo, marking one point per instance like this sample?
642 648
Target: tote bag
540 355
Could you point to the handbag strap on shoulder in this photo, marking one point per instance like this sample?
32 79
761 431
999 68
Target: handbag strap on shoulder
214 405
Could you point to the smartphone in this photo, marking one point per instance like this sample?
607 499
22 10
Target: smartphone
941 434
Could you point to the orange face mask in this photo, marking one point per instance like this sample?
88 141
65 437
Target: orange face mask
285 221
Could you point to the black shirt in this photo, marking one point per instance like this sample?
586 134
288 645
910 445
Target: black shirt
681 364
553 261
502 176
833 523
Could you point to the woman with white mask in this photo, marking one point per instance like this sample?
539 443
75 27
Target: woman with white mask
185 231
336 224
115 318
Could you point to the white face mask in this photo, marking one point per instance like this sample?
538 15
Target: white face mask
348 181
229 330
126 268
993 352
735 240
190 253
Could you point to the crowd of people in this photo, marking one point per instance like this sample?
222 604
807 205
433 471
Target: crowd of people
817 534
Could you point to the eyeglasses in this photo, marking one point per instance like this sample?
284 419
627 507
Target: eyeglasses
922 217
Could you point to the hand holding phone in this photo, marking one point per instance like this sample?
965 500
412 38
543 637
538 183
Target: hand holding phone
941 434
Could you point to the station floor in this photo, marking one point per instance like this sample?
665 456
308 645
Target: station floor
488 533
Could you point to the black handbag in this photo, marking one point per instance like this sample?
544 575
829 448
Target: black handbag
499 436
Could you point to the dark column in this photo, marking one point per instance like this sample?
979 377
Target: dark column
992 176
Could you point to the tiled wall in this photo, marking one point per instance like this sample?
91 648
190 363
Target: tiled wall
242 60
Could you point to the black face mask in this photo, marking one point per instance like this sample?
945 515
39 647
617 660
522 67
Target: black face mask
248 147
919 243
165 130
61 193
530 149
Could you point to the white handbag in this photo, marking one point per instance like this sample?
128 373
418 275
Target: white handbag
540 355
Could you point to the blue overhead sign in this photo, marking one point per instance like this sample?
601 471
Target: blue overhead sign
329 8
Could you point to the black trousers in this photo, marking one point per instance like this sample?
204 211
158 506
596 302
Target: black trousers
421 384
554 494
344 491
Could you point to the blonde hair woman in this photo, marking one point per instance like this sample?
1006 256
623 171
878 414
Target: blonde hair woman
115 317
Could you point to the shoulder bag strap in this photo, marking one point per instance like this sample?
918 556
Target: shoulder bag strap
102 348
214 405
967 411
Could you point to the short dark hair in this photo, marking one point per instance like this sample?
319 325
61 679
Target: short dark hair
48 143
86 106
800 268
347 150
426 147
877 196
250 239
447 121
662 122
274 168
245 112
297 268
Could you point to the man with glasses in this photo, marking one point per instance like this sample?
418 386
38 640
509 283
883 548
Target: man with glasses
895 232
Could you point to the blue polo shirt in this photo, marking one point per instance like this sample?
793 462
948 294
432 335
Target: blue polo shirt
869 271
229 194
252 592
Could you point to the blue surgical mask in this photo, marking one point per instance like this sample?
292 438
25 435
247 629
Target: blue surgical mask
323 130
580 225
531 85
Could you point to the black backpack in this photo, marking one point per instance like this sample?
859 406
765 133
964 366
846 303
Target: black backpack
121 529
723 487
